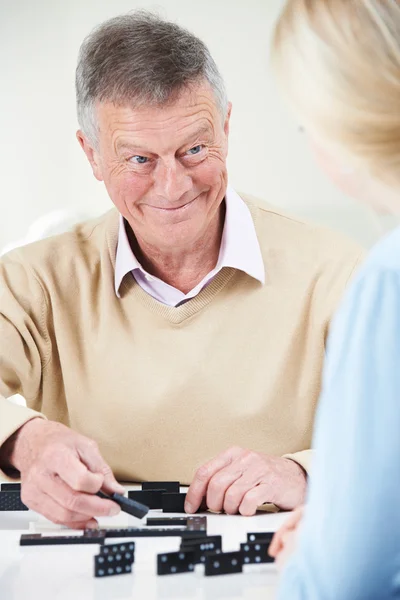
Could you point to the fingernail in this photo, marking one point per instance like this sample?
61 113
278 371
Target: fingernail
114 510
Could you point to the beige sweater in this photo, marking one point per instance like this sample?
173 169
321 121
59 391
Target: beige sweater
163 389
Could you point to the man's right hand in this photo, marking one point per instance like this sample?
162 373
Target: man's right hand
61 471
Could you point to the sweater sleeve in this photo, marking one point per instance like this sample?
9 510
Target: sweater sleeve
334 285
303 458
349 546
24 344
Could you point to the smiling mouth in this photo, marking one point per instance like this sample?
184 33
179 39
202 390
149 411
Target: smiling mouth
174 209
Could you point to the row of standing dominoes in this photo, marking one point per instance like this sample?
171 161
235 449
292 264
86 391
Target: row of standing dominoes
163 495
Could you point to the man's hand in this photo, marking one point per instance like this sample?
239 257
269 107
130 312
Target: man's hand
240 480
61 471
285 540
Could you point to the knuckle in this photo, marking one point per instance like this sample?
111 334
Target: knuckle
78 481
72 502
202 473
215 483
250 455
106 470
92 444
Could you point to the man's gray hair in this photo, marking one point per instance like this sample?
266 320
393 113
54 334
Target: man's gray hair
138 59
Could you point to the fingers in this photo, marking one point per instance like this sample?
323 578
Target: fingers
218 486
61 487
289 542
68 466
252 499
276 545
78 503
289 525
58 514
90 455
61 475
278 539
200 482
277 549
52 497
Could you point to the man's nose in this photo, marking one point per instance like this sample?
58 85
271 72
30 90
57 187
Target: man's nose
171 181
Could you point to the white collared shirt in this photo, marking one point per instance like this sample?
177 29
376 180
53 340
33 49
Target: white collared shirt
239 249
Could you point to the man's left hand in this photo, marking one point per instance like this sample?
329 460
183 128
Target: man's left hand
239 480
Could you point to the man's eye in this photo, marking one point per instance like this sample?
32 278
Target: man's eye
195 150
139 160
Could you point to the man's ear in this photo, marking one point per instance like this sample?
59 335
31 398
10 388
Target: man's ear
91 153
227 119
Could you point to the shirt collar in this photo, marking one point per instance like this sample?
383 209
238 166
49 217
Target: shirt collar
239 249
239 244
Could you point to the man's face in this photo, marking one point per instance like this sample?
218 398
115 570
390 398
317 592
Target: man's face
164 168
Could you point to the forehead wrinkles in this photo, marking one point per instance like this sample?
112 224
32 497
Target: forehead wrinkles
165 135
185 117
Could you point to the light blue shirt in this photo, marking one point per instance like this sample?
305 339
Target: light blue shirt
349 545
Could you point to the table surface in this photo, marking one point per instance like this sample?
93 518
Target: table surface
66 572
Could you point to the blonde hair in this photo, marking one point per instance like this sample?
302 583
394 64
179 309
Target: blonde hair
338 62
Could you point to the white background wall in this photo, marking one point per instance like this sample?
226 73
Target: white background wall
42 166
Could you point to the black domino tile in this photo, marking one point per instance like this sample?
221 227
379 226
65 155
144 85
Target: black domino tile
115 548
127 505
200 557
202 547
10 487
11 501
150 498
173 503
225 563
262 536
166 521
95 534
171 487
171 563
197 524
128 557
106 566
37 539
136 532
206 544
256 553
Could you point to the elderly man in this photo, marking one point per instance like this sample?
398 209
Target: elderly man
180 336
